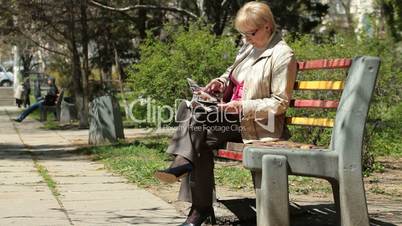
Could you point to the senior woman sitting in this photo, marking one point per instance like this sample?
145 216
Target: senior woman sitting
257 89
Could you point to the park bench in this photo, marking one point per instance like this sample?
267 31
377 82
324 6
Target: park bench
340 164
55 108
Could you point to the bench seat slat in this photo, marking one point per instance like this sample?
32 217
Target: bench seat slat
229 154
302 121
314 103
319 85
234 151
324 64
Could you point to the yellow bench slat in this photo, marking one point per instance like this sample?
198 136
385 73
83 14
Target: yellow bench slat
322 122
319 85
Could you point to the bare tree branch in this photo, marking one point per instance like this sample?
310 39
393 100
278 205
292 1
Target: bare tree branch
41 46
151 7
224 2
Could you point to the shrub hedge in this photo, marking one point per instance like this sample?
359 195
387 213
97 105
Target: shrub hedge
194 52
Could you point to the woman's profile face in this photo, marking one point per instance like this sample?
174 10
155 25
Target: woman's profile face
258 37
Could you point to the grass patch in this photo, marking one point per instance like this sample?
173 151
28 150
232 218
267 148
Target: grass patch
235 177
306 185
137 161
378 190
48 179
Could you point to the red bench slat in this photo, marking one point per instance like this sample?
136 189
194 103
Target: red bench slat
324 64
234 155
314 103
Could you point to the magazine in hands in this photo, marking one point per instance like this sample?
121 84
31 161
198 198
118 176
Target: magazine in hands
201 100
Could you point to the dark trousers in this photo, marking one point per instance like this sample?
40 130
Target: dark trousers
198 134
30 109
38 105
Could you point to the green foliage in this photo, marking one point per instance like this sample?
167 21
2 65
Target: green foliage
61 70
233 177
198 54
194 52
392 11
385 133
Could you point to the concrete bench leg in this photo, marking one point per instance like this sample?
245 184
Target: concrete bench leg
43 114
335 191
273 203
353 199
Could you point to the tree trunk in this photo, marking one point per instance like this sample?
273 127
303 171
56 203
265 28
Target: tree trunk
349 17
78 90
82 107
142 18
85 63
201 8
106 59
15 66
120 71
106 75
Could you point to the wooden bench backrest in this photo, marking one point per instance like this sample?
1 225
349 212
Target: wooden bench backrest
327 85
354 89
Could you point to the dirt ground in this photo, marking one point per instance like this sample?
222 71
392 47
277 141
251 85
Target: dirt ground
310 206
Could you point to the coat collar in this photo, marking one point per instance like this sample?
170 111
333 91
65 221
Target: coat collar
275 38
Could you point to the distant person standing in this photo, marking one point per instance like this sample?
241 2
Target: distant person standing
49 100
19 89
26 92
18 95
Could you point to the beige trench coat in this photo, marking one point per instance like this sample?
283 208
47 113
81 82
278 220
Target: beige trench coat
267 90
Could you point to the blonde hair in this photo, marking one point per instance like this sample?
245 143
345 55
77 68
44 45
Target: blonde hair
254 15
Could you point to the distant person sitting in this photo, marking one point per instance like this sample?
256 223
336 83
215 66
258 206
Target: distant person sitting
49 100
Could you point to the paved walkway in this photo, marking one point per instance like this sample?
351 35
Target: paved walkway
87 194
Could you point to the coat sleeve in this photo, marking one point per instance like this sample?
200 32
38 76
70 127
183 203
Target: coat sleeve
284 71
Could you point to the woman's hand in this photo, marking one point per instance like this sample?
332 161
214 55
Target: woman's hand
214 86
233 107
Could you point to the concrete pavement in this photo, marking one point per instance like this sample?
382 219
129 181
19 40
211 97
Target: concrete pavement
86 194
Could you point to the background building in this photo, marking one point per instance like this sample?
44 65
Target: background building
350 15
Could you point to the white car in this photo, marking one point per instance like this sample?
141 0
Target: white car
6 78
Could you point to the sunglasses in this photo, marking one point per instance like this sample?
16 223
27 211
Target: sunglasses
250 33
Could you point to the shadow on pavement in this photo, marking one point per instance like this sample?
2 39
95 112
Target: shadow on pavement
44 152
311 215
37 147
117 217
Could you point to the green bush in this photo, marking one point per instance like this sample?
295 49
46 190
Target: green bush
196 53
187 53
